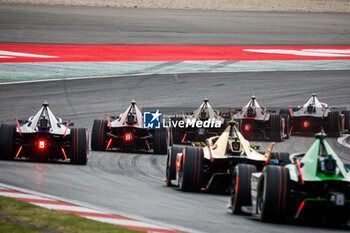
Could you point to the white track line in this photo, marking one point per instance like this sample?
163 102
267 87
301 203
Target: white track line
148 74
122 222
22 195
67 207
342 141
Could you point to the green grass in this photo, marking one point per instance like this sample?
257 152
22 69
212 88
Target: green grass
46 220
15 228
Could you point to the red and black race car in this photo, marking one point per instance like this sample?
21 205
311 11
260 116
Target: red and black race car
258 123
315 116
127 133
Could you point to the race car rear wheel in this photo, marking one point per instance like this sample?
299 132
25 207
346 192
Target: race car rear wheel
282 158
276 128
79 146
273 194
171 163
333 124
7 141
190 177
160 141
347 121
176 135
240 190
98 136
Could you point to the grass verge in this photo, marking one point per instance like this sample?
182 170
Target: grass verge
20 216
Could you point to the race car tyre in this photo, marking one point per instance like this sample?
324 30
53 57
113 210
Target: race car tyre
276 128
273 194
98 136
347 121
176 135
281 157
7 141
240 191
287 124
171 163
333 124
160 141
79 146
190 177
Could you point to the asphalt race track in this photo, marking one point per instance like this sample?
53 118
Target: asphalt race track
88 25
134 183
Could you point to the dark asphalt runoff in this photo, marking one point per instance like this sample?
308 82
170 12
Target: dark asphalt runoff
134 183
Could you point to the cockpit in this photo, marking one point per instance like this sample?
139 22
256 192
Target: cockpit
234 146
203 115
326 163
311 108
251 111
131 117
251 107
44 123
204 111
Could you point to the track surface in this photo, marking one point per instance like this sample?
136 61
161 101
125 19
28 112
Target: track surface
89 25
133 183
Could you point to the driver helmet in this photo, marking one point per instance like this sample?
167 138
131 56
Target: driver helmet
44 122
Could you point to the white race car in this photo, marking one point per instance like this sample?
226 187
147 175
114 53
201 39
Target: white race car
44 137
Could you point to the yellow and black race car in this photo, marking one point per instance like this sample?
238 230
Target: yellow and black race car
209 166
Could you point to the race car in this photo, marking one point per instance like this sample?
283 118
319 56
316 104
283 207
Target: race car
204 122
44 137
127 133
209 166
315 116
258 123
313 187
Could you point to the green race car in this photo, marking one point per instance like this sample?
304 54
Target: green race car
311 187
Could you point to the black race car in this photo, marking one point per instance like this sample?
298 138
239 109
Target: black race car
127 133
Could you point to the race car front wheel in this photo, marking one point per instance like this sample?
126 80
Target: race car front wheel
191 170
273 194
79 148
7 141
98 136
240 188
